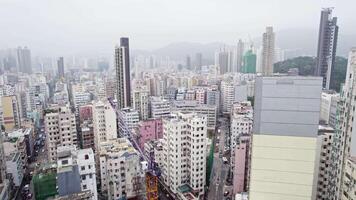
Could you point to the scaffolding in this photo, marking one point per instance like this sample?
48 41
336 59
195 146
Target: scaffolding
151 186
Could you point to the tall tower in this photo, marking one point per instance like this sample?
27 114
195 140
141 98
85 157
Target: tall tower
198 61
122 65
24 60
188 62
60 66
268 40
344 142
328 32
284 142
239 56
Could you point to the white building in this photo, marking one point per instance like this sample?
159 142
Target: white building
104 122
159 107
155 148
119 169
227 95
200 95
130 117
241 121
14 166
209 111
80 162
213 97
329 100
240 93
140 102
60 130
184 146
344 147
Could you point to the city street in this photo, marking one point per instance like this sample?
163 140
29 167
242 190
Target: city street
220 170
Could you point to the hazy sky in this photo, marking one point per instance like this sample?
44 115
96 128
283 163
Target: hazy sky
57 27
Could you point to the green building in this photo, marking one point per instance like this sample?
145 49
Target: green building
249 65
44 185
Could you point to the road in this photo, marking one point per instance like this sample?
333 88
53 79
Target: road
220 170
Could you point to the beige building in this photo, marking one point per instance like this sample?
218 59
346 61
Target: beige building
268 51
120 170
60 130
11 113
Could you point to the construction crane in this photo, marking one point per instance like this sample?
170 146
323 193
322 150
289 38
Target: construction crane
152 173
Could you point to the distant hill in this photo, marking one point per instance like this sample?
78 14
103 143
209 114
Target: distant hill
306 66
304 40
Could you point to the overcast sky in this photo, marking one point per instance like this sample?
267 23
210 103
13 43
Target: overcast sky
58 27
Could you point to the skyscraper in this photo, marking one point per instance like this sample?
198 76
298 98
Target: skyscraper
239 56
188 62
122 65
268 40
198 61
284 143
223 61
60 66
328 32
344 142
24 60
249 64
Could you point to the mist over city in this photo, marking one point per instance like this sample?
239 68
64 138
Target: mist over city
186 100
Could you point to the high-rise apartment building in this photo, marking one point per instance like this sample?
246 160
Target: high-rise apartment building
328 33
60 128
325 138
284 141
241 120
130 117
105 123
60 67
123 80
349 177
120 169
140 101
239 56
200 95
209 111
227 95
76 171
24 60
268 48
344 142
184 147
159 107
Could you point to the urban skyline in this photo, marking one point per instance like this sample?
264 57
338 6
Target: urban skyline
253 120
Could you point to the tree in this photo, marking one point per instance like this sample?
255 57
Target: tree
306 66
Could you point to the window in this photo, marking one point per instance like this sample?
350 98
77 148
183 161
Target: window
64 162
84 187
86 157
83 167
